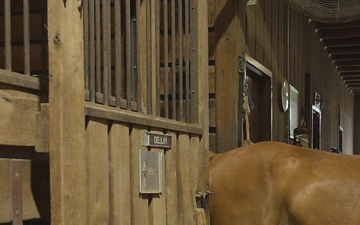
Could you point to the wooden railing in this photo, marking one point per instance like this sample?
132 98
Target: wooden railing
138 54
23 39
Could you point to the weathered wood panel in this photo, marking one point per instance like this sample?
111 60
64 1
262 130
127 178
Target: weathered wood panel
259 31
139 203
171 178
158 201
97 168
251 29
18 117
268 16
184 174
29 209
67 120
94 166
227 51
119 171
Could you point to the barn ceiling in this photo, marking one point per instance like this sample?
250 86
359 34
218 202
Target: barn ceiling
342 42
338 27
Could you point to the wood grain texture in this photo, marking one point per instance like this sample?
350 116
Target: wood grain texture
119 174
139 203
29 206
66 114
158 204
184 195
171 185
226 57
97 176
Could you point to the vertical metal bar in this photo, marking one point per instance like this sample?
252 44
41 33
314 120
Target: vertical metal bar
7 12
137 75
128 53
173 58
86 44
180 64
148 57
157 41
118 48
92 49
44 38
26 37
106 43
98 46
16 174
187 61
166 60
194 62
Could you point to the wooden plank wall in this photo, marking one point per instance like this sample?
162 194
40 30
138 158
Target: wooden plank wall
112 167
327 82
287 54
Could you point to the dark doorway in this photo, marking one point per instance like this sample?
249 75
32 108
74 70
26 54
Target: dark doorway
259 90
316 128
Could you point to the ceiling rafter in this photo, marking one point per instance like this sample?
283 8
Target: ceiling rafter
342 43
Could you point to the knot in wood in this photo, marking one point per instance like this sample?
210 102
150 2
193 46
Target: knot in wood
56 39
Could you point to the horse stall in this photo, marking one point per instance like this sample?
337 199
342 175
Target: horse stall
104 112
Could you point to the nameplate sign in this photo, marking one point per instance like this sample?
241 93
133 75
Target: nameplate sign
156 140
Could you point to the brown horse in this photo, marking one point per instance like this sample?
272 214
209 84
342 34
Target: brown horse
273 183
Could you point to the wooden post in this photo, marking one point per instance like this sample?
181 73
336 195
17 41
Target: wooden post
66 113
229 44
201 164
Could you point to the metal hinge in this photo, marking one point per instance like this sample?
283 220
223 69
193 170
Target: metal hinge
202 199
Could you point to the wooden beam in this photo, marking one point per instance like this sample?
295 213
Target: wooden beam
344 50
202 181
327 26
349 73
344 60
339 33
350 79
227 24
348 68
66 114
17 79
352 84
357 89
345 57
349 63
340 42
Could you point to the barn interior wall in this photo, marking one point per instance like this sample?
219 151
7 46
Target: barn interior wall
283 41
